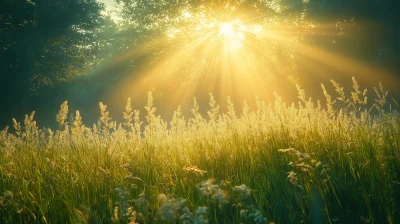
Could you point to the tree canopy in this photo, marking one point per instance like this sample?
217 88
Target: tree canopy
44 43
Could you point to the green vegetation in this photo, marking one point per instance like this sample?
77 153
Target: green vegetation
282 163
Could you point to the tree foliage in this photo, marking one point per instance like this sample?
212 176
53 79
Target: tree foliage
44 43
41 38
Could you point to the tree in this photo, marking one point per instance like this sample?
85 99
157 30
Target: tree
43 43
364 31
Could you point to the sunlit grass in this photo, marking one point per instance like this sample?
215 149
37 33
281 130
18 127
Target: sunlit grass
304 162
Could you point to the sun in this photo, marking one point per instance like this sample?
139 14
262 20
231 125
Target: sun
231 34
226 30
217 55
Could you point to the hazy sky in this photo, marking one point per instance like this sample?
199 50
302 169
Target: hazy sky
107 2
110 9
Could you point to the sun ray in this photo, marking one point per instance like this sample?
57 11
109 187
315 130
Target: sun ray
235 57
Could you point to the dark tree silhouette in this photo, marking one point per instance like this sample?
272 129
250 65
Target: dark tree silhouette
43 43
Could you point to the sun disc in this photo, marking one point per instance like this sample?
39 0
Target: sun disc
226 30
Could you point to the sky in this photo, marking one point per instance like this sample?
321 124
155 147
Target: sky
110 9
108 3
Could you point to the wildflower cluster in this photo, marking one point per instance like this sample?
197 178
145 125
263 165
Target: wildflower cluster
123 212
213 191
171 210
248 211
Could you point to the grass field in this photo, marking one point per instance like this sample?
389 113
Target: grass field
303 163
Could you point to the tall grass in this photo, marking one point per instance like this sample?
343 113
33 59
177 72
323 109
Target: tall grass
303 162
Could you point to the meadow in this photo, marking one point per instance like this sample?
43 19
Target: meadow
307 162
